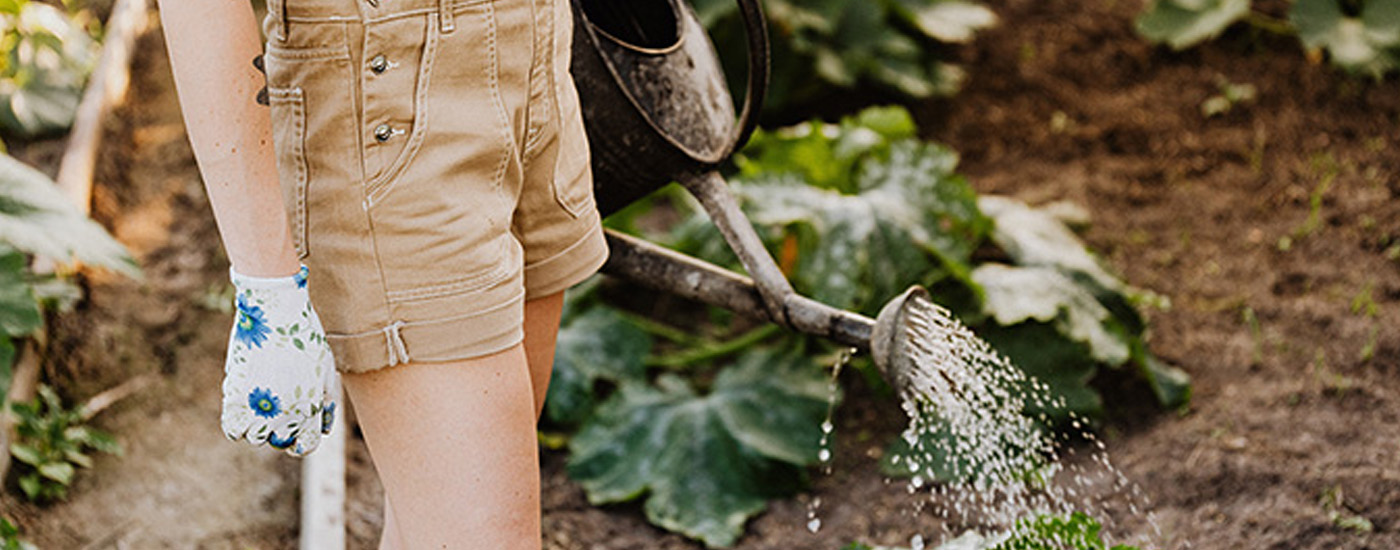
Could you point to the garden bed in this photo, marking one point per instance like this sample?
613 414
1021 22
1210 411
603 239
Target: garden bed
1273 229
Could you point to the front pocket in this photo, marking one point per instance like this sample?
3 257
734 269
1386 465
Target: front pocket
573 188
289 141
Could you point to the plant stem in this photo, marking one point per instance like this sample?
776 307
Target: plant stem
714 350
1269 24
656 328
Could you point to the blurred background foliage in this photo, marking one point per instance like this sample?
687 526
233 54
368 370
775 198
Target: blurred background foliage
824 48
1359 36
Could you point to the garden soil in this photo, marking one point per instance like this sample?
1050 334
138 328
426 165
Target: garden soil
1273 230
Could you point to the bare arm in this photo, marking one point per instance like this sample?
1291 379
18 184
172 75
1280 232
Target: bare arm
212 44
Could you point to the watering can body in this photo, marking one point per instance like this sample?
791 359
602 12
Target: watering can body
654 97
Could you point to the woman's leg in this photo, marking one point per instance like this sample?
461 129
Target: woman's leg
454 444
541 331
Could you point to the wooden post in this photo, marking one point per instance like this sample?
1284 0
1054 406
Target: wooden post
323 489
106 88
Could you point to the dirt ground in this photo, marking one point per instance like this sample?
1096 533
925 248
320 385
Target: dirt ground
1273 230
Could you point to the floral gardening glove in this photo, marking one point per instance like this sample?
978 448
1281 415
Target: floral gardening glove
280 381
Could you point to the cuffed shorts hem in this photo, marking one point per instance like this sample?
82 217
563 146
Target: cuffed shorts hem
479 333
569 267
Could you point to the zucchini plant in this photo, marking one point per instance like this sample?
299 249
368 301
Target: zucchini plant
706 423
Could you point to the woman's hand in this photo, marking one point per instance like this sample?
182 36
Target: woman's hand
280 381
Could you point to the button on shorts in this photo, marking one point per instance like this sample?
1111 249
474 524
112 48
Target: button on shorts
435 169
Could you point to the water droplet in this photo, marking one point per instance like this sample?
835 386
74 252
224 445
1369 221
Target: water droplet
824 455
814 525
827 427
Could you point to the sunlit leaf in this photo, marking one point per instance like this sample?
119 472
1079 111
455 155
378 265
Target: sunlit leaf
1184 23
26 454
49 59
1368 42
870 209
61 472
705 462
38 219
826 44
39 109
1018 294
947 20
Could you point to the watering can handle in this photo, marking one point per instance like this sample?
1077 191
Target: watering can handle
756 89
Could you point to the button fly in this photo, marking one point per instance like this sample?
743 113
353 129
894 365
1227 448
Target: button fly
379 64
383 132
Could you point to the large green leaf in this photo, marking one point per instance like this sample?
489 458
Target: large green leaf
61 472
826 155
838 44
1185 23
706 463
1035 237
595 344
1064 366
1171 385
1368 42
911 220
1019 294
946 20
36 218
855 211
19 309
7 360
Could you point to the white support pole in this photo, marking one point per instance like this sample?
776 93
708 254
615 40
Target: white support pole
323 489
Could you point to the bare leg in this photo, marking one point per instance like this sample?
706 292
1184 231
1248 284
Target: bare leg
541 331
454 444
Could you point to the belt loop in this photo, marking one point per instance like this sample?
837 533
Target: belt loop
445 16
398 353
277 9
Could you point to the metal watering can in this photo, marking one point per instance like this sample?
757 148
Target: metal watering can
657 109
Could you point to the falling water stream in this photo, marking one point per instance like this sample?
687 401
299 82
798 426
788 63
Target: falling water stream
965 404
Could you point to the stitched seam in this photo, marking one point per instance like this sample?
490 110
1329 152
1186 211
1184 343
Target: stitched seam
494 84
545 58
457 8
481 280
308 53
294 99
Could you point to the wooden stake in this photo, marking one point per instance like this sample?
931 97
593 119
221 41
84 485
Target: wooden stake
323 489
106 88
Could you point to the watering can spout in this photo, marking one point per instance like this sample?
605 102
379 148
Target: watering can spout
890 340
887 337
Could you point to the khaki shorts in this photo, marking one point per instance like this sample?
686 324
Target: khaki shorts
434 166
